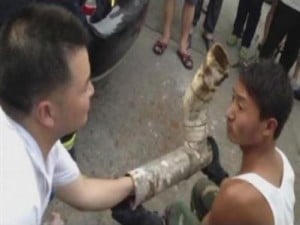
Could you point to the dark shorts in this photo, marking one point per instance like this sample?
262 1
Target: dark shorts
191 2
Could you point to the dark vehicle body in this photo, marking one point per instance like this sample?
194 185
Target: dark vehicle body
110 38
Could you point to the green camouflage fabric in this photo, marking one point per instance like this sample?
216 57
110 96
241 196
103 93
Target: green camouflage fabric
202 197
178 213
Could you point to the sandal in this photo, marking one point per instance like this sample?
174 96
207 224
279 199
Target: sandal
207 41
159 47
186 60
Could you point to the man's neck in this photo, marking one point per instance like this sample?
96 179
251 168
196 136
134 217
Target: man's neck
256 156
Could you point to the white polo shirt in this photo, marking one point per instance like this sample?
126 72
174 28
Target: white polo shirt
26 180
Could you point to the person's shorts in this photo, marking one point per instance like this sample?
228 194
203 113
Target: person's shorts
192 2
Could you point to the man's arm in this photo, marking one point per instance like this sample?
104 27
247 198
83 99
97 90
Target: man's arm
95 194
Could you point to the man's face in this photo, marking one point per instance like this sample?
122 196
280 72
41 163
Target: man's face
75 98
244 126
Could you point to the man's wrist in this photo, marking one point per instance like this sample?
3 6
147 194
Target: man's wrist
129 184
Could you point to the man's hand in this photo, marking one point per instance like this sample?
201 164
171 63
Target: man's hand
214 170
125 215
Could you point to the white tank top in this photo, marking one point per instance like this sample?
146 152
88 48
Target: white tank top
280 199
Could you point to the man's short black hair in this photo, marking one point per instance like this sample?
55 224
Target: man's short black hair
269 85
34 48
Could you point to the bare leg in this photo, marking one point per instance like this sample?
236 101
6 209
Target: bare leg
168 16
187 19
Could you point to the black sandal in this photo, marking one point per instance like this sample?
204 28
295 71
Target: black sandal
207 41
186 60
159 47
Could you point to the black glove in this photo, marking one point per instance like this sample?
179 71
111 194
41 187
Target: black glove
125 215
214 170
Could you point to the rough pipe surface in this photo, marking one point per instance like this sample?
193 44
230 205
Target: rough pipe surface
170 169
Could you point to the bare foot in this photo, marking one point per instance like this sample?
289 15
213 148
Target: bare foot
164 40
183 48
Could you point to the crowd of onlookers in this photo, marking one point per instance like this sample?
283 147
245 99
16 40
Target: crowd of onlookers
280 38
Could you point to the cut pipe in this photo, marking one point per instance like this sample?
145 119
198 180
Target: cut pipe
160 174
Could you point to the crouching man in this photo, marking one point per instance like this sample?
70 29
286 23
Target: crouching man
45 73
262 193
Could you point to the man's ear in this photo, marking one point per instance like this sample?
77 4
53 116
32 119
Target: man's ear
45 113
271 125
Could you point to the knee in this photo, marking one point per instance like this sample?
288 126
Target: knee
200 186
179 213
204 191
176 206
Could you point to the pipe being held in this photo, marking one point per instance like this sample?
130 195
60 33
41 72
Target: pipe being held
179 165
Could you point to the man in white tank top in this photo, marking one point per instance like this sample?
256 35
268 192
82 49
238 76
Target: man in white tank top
263 191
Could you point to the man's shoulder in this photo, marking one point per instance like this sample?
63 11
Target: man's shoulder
18 178
239 192
13 147
9 134
58 151
237 203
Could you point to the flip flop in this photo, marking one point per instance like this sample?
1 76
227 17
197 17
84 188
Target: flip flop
186 60
207 41
159 47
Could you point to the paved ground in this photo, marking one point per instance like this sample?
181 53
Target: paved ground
136 114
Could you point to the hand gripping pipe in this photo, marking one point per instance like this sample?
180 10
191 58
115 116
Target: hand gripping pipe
194 154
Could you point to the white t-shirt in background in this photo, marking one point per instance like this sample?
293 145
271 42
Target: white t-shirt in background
26 180
295 4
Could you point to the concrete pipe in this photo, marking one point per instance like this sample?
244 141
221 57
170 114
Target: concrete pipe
179 165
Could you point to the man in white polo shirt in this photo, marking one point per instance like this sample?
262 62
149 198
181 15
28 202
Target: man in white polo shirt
45 73
285 22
